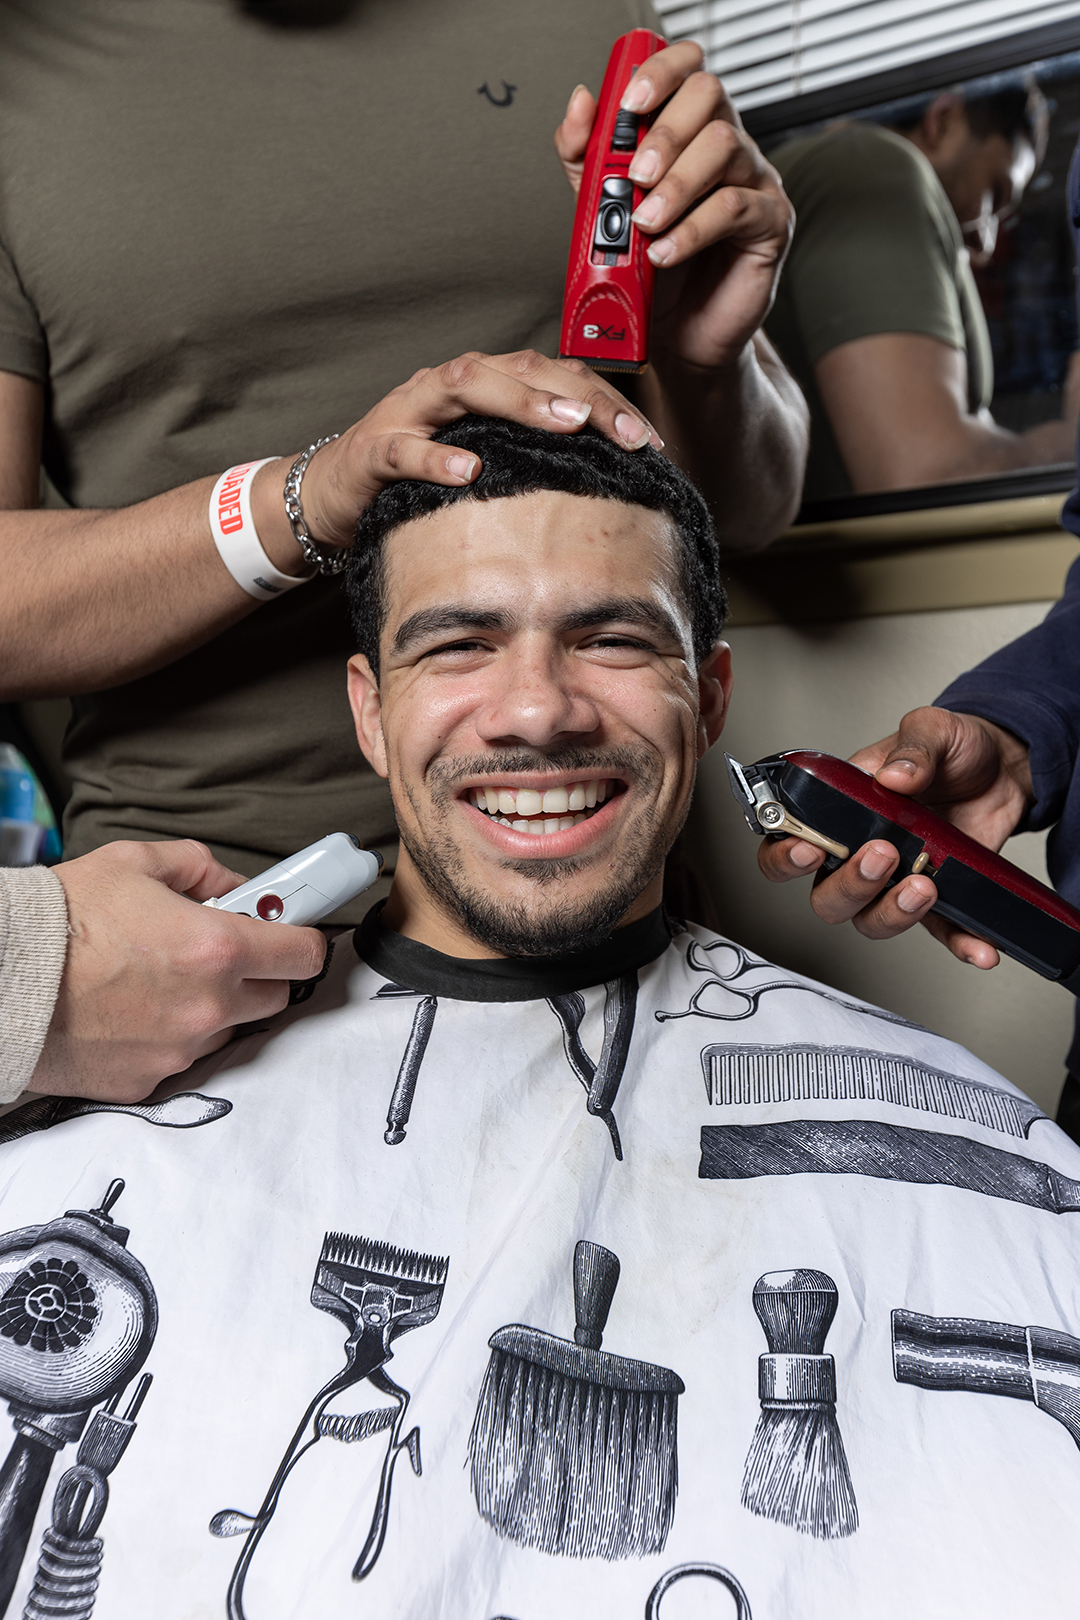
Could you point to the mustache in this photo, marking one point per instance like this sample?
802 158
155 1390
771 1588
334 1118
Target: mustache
446 774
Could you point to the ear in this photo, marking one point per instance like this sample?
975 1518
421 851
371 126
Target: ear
942 119
366 706
715 681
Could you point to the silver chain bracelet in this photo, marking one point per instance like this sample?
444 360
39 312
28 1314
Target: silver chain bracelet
328 561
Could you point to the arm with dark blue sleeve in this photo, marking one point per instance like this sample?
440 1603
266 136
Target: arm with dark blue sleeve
1032 688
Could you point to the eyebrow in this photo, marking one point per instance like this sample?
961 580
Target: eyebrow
436 621
624 610
461 617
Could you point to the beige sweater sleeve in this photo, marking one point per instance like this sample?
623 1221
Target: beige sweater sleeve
33 947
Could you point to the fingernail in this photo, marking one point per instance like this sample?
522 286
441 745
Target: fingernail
660 252
637 95
909 899
631 431
874 864
803 855
650 210
645 167
575 92
907 765
462 467
655 440
570 410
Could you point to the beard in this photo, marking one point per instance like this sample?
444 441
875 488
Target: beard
558 922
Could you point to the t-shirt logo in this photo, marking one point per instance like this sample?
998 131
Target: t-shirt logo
498 101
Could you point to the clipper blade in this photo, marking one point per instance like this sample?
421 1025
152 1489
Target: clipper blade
383 1259
369 1284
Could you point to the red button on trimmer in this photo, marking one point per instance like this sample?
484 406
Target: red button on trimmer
270 907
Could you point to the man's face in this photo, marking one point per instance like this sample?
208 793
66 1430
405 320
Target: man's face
539 717
984 177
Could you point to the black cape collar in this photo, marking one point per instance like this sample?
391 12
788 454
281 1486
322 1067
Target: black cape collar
412 966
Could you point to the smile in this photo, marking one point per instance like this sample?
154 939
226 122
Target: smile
555 810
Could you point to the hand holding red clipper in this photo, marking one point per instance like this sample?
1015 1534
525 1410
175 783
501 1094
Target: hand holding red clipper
974 774
708 205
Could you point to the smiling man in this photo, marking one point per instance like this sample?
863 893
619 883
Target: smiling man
555 1253
548 683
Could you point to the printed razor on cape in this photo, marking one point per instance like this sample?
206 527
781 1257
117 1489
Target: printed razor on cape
379 1292
835 806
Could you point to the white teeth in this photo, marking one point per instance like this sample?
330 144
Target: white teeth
530 802
538 828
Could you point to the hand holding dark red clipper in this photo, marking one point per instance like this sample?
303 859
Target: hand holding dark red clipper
607 306
831 803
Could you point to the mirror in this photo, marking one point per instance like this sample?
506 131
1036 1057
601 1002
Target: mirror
928 306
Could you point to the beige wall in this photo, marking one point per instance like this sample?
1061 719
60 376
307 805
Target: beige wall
835 686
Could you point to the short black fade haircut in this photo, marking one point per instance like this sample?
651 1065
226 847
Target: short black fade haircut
522 461
1017 112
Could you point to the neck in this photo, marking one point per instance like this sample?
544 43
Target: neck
413 911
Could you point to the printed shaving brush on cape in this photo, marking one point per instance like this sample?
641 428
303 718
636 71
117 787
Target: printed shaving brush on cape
573 1450
796 1472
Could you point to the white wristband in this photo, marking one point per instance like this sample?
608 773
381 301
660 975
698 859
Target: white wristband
236 537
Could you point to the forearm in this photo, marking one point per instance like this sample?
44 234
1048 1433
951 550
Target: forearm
897 405
33 946
982 448
740 432
95 598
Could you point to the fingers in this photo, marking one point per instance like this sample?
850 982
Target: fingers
530 388
662 76
781 859
261 950
758 221
572 135
394 440
693 148
856 893
560 396
967 948
183 865
920 745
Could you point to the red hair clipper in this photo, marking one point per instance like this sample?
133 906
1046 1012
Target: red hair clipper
607 305
833 804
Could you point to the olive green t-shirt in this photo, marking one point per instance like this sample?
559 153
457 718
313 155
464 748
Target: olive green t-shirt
222 238
877 248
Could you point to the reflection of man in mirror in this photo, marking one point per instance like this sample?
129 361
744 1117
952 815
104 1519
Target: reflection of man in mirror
878 314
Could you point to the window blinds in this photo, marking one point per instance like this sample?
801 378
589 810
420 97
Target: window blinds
766 50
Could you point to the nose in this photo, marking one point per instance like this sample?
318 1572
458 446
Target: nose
536 698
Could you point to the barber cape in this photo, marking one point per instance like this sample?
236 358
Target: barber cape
656 1281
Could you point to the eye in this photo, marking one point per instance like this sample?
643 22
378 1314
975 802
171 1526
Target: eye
459 649
616 641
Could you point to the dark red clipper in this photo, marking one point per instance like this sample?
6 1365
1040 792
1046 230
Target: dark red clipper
834 805
607 305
